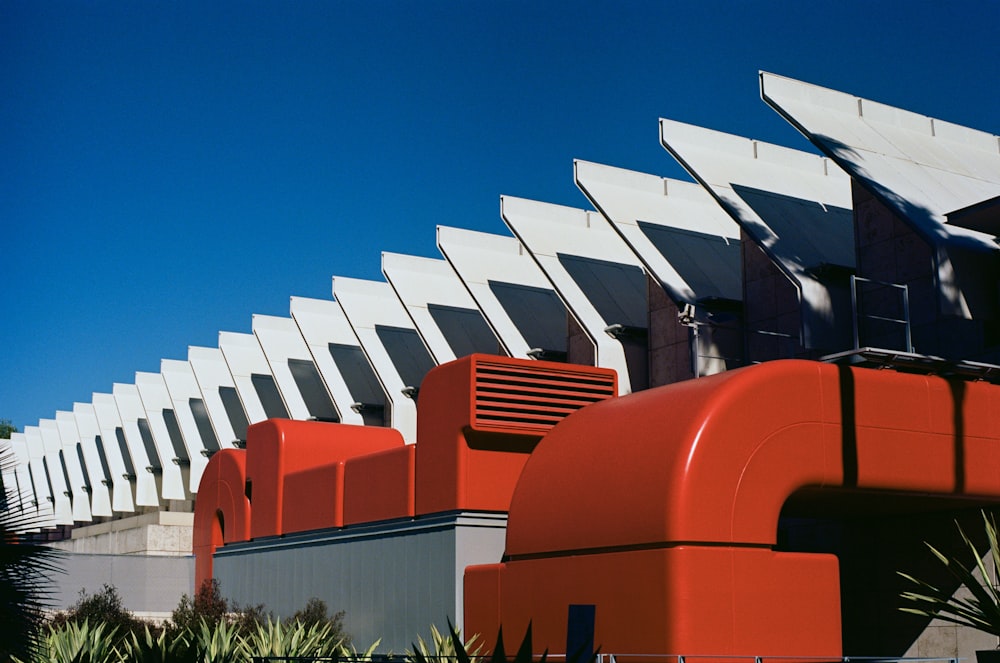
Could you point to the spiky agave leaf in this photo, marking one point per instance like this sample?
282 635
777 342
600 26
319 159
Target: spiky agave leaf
442 647
165 648
82 643
25 571
981 610
294 639
350 651
218 643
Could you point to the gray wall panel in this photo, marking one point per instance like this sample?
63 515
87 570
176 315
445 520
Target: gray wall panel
393 580
146 583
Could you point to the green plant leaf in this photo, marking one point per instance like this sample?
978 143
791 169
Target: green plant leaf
981 611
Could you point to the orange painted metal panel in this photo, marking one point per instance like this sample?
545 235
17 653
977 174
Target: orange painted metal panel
379 486
222 511
684 446
279 448
314 498
685 599
479 417
661 507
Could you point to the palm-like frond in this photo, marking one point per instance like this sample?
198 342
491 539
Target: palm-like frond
25 571
980 610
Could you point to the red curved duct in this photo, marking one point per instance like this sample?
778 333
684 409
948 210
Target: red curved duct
222 510
661 507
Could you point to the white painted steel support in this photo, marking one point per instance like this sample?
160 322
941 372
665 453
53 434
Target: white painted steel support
369 305
212 374
282 342
100 483
421 283
752 180
28 501
184 394
552 231
322 324
246 362
155 401
481 258
628 198
48 432
109 420
147 469
78 486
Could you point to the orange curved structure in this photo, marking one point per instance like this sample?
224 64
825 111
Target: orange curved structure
478 420
296 471
222 511
661 508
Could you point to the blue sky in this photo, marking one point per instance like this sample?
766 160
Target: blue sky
170 168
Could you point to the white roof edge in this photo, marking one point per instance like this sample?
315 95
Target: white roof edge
774 87
757 149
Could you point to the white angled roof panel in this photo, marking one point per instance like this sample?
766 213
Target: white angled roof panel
596 273
391 343
924 167
94 455
26 498
31 499
927 171
192 417
796 206
340 360
678 230
294 370
219 395
123 471
513 293
72 453
166 434
252 377
40 476
48 431
145 456
442 310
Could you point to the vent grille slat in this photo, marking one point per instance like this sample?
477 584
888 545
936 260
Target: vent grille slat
529 400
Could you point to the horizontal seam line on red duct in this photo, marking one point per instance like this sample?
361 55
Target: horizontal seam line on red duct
662 545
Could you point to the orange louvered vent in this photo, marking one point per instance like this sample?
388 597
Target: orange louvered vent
531 397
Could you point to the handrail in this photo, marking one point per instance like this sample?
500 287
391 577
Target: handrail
904 321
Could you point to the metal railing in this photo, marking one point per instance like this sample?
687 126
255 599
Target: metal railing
612 658
857 308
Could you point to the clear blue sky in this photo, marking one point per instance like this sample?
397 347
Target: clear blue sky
171 168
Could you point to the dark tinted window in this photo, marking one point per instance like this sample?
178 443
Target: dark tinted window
270 398
83 466
465 329
65 473
102 455
13 491
204 424
538 314
358 375
48 476
176 439
617 291
407 353
313 390
149 445
234 410
708 263
809 233
123 448
34 488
